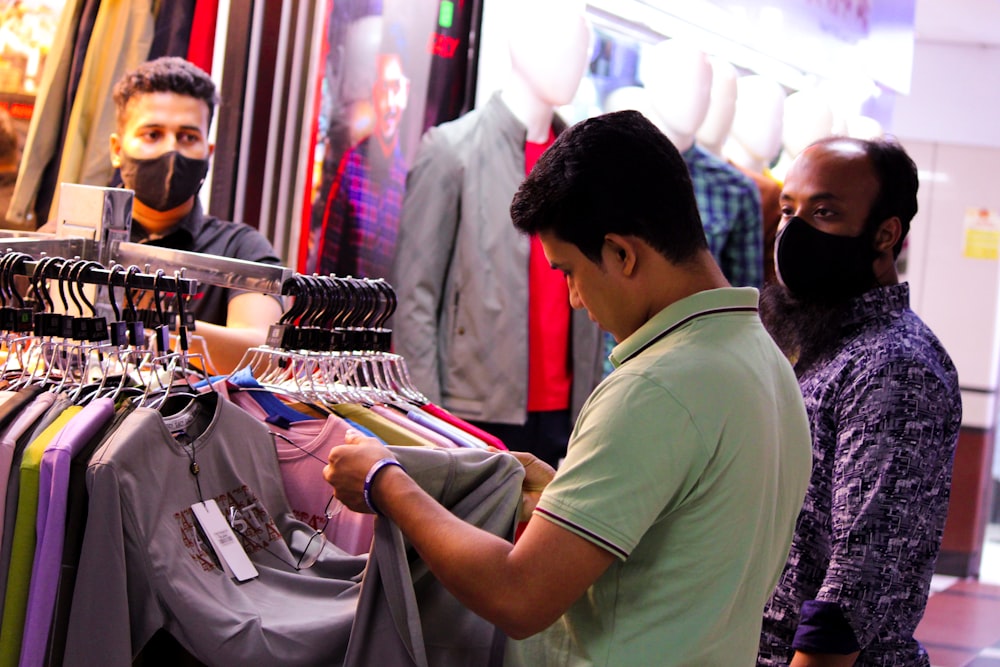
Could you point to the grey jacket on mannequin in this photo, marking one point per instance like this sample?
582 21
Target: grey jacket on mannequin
461 273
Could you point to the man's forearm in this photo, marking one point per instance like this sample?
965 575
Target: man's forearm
227 346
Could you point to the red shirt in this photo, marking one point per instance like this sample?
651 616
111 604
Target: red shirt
550 374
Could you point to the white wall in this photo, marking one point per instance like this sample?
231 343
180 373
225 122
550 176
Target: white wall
955 97
949 124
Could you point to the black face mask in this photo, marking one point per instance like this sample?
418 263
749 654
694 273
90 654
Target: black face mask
164 182
818 266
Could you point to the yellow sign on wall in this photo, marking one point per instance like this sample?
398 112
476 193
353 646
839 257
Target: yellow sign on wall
982 234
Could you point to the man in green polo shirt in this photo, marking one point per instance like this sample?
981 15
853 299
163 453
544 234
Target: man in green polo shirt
662 535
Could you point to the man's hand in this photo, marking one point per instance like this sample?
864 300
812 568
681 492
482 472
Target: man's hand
349 465
537 475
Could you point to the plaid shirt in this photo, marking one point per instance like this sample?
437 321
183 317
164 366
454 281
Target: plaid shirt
358 236
884 411
729 203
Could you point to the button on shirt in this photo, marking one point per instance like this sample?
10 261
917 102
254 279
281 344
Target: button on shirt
884 412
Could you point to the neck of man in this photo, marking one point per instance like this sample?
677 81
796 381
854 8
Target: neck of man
674 282
159 223
533 112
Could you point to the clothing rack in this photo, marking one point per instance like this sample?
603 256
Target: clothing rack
97 275
205 269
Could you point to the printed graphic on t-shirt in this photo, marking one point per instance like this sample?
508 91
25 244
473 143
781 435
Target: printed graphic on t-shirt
250 521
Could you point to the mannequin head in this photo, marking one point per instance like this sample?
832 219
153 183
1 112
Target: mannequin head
863 127
755 138
679 80
585 104
721 107
548 54
807 117
631 98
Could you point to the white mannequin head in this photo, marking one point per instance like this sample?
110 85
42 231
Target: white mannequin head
679 80
755 138
585 104
864 127
631 98
548 56
807 117
721 107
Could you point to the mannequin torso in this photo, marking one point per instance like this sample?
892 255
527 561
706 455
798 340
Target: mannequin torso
462 270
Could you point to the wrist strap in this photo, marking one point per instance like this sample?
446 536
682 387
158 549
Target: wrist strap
370 477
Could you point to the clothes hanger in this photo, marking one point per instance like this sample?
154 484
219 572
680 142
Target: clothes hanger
44 325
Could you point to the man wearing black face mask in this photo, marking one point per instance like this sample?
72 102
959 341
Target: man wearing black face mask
164 109
884 409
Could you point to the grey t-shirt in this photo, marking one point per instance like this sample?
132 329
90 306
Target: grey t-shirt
143 566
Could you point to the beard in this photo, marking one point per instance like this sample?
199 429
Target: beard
805 331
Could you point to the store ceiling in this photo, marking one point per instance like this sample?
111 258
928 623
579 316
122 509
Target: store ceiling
962 21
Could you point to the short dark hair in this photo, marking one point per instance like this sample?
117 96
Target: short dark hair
168 74
614 173
897 178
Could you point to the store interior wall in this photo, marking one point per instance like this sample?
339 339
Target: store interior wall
948 123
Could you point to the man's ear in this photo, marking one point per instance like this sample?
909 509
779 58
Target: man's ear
888 234
115 144
623 252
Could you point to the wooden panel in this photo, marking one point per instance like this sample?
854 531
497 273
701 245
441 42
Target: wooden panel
968 507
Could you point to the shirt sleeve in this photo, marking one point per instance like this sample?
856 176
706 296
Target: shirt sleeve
250 245
892 466
619 476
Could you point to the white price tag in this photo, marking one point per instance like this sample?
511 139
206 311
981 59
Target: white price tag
224 541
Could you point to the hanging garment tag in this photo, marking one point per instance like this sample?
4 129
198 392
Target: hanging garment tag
227 546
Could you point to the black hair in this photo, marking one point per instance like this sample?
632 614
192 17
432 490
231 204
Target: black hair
615 173
168 74
898 182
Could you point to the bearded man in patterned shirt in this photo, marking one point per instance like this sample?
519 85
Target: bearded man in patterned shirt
884 408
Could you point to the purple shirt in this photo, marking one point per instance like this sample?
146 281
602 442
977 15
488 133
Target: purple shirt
51 522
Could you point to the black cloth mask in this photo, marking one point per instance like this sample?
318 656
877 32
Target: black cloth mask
818 266
165 182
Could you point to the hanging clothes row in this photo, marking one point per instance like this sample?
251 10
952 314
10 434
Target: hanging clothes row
94 45
145 500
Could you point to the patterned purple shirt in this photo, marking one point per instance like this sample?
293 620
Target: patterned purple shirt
884 412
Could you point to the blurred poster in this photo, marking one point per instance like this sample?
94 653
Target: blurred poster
982 233
391 69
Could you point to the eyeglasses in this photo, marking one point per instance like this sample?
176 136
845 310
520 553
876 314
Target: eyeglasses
317 541
313 549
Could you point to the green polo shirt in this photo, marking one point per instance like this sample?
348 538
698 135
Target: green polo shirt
689 463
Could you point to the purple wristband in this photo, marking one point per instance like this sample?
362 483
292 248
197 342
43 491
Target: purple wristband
370 477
